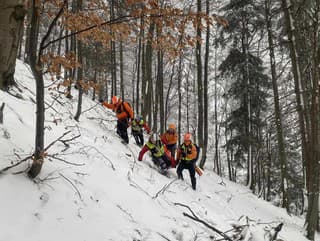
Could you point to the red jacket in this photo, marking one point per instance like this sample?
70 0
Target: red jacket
145 148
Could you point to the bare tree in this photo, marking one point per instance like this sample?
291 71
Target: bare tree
12 14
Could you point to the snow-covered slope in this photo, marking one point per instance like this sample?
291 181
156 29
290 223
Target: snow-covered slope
94 189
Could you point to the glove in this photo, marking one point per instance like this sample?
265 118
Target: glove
139 160
101 101
183 154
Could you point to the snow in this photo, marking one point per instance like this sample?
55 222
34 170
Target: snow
102 192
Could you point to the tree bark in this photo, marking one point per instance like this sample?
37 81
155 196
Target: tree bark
277 111
36 67
12 14
80 80
205 92
199 80
1 113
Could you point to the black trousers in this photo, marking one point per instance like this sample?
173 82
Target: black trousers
172 148
163 161
122 126
190 165
138 136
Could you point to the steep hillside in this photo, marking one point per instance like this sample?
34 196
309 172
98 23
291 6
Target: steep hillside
92 187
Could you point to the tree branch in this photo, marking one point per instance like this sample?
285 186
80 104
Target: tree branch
164 188
52 143
52 24
71 163
14 165
195 218
74 186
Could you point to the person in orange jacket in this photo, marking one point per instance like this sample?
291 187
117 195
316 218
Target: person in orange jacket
186 157
137 126
170 138
160 155
124 113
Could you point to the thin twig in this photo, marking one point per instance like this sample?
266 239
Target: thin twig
164 188
90 108
112 166
14 165
164 236
195 218
74 186
52 143
71 163
208 225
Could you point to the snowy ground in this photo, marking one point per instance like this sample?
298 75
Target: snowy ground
100 192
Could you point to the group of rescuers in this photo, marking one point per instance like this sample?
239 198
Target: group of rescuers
163 147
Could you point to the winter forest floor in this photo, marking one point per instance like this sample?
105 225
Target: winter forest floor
92 188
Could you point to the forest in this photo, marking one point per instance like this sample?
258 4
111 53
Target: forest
241 75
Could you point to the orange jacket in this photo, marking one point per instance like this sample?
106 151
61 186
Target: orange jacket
122 109
187 152
169 138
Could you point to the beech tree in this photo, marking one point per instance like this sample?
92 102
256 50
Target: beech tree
12 13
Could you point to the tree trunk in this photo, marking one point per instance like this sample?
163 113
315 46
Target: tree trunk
80 80
168 94
11 18
121 70
217 168
35 65
138 65
1 113
148 74
309 139
278 117
199 81
180 95
205 93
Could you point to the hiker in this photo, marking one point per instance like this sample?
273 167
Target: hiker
186 157
137 126
124 114
160 156
170 138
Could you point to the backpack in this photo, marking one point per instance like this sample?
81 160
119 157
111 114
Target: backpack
124 108
198 152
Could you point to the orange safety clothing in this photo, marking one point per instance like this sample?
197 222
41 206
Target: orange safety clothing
122 109
187 151
169 138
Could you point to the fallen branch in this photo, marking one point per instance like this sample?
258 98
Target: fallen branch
195 218
277 229
132 183
65 142
90 108
52 143
74 186
92 147
164 188
163 236
208 226
71 163
100 119
14 165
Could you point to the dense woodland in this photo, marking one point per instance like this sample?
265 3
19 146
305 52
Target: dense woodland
241 75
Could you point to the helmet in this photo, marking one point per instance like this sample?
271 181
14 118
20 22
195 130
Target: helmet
115 100
138 118
187 137
172 126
